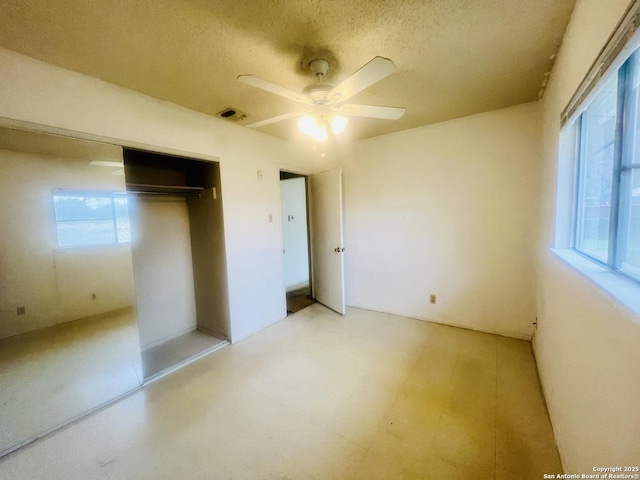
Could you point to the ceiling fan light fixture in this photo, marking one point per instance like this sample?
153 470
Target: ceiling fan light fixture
338 124
321 134
310 127
307 125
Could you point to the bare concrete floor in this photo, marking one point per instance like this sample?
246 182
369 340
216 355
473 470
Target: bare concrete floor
321 396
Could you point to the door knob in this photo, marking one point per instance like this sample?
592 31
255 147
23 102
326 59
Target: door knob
337 249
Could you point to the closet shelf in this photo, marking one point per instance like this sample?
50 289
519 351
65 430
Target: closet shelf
163 189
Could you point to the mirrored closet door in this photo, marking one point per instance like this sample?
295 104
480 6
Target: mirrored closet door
112 274
69 339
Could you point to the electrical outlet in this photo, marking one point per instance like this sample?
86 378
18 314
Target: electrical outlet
21 310
432 298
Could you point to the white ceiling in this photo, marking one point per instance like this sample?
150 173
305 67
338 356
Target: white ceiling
454 57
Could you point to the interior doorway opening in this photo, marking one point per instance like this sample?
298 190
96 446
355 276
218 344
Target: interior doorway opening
295 241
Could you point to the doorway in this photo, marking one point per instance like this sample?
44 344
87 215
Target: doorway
295 241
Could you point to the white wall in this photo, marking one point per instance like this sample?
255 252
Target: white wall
163 269
294 231
448 209
586 345
36 92
54 285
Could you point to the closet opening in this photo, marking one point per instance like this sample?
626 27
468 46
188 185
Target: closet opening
178 255
295 241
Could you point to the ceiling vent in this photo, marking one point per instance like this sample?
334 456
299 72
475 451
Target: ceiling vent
232 114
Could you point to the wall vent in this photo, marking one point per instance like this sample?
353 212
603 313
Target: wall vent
232 114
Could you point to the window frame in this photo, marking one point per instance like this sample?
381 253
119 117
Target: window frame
623 139
111 194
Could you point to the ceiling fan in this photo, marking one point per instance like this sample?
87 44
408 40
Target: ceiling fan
325 104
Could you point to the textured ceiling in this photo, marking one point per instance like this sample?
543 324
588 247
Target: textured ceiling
454 57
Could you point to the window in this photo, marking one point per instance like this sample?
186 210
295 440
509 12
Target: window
607 207
91 218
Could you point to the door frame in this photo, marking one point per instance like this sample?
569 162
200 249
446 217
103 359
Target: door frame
295 173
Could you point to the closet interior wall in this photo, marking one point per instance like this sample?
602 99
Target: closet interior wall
209 260
156 175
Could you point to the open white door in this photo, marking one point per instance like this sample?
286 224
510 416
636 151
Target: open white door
327 239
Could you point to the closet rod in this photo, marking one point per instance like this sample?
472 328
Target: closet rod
171 194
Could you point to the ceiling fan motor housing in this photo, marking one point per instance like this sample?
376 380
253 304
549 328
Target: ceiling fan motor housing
318 92
319 67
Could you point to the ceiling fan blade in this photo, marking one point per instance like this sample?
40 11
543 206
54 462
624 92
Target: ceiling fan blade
271 120
273 88
372 111
372 72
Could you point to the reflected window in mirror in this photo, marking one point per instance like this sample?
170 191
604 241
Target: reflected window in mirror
85 218
69 339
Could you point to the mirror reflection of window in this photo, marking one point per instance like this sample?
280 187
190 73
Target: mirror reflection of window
91 218
69 339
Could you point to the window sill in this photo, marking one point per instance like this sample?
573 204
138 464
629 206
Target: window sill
86 248
624 290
